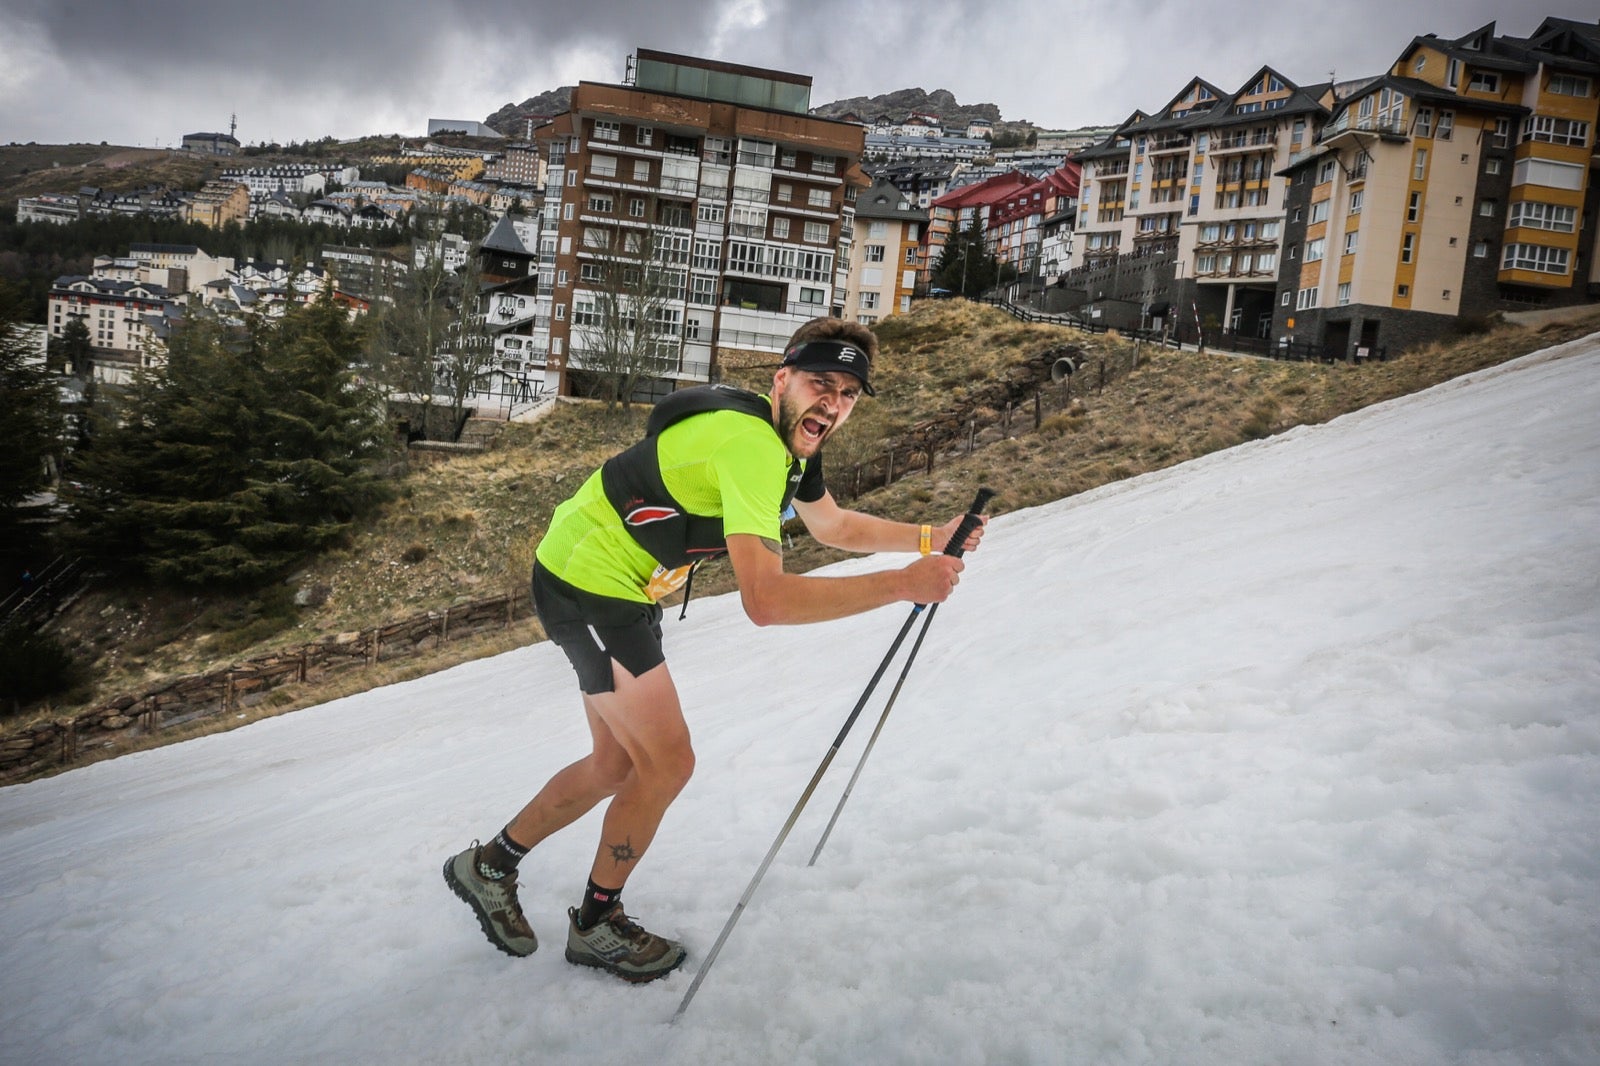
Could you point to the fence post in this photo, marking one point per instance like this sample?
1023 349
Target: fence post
1038 411
972 434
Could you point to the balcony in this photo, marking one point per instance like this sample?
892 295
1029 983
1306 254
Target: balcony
1164 145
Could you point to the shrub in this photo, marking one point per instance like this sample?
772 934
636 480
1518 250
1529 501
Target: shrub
35 667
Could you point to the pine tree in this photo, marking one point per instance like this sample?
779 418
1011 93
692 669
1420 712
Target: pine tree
33 421
239 457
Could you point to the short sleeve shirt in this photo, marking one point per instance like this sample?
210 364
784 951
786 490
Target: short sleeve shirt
722 464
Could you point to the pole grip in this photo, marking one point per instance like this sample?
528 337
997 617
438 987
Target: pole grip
969 523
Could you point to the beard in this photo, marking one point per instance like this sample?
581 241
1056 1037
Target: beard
791 419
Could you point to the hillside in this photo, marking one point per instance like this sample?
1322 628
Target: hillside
465 529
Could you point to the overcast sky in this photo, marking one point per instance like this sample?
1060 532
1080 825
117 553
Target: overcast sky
145 74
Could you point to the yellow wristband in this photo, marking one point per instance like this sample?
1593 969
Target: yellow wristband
925 543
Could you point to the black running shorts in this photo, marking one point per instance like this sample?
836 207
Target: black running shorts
593 630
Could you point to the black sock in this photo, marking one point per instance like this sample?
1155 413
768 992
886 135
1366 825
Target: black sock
597 903
498 859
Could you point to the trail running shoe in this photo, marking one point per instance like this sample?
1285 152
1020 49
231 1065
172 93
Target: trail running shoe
616 944
494 902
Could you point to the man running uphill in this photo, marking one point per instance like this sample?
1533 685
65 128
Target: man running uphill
714 474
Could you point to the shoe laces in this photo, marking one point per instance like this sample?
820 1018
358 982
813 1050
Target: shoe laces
626 927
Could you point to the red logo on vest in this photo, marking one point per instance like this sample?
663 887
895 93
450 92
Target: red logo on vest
643 516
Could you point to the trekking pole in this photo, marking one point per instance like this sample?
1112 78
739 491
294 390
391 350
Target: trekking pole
968 524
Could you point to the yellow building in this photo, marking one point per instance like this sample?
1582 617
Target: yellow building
218 203
1457 184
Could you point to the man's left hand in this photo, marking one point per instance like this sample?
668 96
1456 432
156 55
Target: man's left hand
942 534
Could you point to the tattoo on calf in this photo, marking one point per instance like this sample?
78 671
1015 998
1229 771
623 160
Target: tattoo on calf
623 852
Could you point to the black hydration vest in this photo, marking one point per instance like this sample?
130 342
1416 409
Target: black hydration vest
632 480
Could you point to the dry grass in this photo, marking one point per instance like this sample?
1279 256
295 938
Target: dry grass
466 528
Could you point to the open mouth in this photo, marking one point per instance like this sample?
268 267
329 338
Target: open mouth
813 429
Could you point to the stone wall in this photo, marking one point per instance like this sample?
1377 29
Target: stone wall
60 743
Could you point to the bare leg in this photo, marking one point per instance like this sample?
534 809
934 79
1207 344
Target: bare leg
645 718
575 789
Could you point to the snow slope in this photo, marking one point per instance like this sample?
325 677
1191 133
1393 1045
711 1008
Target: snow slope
1287 755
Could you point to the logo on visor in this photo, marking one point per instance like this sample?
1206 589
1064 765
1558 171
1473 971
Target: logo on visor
848 355
643 516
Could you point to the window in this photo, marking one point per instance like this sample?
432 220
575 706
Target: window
1422 61
1569 85
1485 82
785 193
1269 231
1502 133
1325 172
786 158
1210 232
1419 164
1414 207
1205 264
1356 199
707 255
1537 215
1408 248
1319 211
603 166
1535 257
1452 74
1424 122
641 170
873 253
811 296
1402 291
636 207
1447 124
1344 293
602 205
606 130
816 233
702 290
757 153
1554 130
1350 242
1486 208
1314 249
824 164
877 230
869 301
644 135
1306 298
911 256
1480 250
591 272
1267 262
1283 301
1549 173
780 228
1199 168
712 214
718 150
822 198
566 211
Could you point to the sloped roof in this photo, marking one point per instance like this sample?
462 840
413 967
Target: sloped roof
884 201
503 238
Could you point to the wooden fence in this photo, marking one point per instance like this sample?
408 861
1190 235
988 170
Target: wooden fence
62 742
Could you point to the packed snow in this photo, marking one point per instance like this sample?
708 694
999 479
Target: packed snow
1290 754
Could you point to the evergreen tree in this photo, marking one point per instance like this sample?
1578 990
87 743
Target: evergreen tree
965 265
237 458
33 421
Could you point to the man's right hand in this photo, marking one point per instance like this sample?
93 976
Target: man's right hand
932 578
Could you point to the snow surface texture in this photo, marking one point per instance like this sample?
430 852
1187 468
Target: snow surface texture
1290 754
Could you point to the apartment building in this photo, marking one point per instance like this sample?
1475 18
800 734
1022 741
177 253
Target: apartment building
1182 212
1459 183
121 317
519 164
218 203
741 200
960 208
883 276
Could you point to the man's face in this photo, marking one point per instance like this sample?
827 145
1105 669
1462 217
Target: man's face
811 405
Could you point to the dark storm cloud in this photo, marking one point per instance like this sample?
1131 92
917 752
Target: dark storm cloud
75 69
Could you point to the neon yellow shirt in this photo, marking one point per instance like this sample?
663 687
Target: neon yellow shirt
722 464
